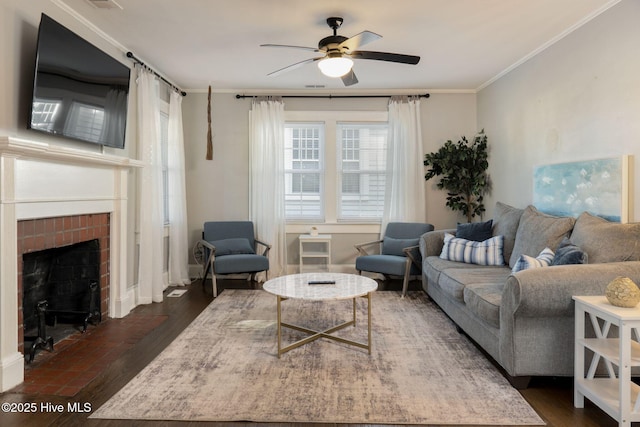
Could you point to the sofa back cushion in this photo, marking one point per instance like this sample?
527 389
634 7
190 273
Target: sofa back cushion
537 231
606 241
505 223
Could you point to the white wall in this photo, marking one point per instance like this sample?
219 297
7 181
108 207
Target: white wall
577 100
219 189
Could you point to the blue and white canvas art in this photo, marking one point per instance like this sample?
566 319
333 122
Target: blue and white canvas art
597 186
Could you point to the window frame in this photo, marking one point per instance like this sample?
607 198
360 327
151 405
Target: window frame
332 181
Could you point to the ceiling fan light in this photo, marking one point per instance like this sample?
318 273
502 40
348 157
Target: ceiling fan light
336 66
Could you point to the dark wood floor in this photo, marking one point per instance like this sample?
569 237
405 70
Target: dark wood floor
552 398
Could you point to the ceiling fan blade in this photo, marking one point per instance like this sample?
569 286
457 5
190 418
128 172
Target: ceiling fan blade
313 49
358 40
385 56
350 78
293 66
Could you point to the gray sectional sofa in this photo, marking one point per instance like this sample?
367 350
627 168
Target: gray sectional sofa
525 320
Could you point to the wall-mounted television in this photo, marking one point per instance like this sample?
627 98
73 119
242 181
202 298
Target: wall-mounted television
79 91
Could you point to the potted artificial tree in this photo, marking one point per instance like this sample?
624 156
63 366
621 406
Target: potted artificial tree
462 168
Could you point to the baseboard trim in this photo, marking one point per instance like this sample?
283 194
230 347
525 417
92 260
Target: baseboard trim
11 371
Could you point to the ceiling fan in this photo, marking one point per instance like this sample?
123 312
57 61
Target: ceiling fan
339 52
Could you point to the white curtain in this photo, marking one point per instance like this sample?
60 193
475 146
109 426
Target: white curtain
178 240
151 225
405 189
266 156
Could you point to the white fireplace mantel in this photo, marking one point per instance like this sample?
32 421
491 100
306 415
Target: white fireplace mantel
41 180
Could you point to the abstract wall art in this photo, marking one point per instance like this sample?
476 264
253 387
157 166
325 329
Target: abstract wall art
599 186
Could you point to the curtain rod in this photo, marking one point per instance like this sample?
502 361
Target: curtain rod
426 95
174 87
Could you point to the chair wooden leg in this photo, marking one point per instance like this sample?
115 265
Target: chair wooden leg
405 281
209 267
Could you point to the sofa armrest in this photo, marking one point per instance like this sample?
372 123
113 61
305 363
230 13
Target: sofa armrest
547 292
431 242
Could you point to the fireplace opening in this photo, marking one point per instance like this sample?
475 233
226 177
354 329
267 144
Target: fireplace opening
61 293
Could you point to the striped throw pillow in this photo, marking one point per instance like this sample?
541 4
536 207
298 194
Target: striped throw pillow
525 262
487 252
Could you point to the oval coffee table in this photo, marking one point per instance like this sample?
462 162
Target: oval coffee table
332 286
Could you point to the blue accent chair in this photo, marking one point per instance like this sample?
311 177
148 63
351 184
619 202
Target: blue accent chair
230 247
399 252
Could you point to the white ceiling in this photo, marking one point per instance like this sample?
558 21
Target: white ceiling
463 44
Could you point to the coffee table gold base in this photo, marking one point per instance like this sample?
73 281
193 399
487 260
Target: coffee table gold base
314 335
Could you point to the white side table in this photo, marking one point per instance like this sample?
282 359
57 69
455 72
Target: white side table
617 395
315 248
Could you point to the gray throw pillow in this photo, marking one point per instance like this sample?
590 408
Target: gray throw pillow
537 231
233 246
568 253
476 231
391 246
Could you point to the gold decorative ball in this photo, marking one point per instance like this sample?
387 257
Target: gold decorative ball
622 292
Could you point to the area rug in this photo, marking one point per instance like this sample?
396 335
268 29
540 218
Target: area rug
224 367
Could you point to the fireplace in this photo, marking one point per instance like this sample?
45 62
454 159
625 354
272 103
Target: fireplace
54 196
79 248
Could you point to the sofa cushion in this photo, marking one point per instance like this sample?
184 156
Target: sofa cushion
525 262
483 300
385 264
488 252
453 281
606 241
432 266
568 253
476 231
241 263
505 223
537 231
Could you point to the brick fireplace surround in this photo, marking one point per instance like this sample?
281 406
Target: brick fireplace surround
46 233
55 195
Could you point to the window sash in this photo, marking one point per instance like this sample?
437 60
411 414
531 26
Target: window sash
304 171
361 159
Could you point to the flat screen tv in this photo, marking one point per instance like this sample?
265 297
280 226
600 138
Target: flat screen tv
79 91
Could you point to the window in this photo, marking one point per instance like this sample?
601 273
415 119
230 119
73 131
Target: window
303 160
362 169
335 166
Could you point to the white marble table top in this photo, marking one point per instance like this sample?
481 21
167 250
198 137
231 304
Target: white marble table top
296 286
